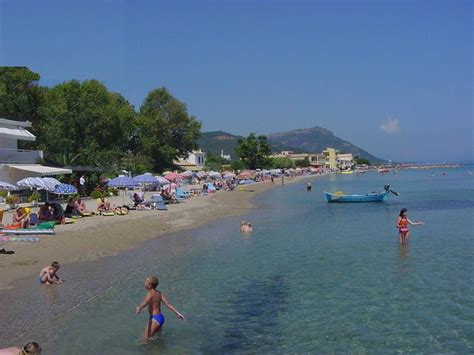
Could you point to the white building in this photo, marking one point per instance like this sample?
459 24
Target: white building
195 161
345 160
16 164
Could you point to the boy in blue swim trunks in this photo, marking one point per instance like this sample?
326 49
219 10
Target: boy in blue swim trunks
49 276
153 300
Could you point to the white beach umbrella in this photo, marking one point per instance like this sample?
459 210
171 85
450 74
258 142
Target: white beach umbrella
7 186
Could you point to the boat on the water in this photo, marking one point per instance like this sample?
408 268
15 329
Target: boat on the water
371 197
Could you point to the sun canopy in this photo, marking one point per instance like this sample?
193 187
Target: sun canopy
17 132
40 170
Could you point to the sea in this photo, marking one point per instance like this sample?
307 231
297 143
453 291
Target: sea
313 277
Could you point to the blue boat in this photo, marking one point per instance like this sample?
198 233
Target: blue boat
371 197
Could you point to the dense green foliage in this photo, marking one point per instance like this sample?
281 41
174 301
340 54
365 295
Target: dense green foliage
361 161
303 163
253 151
164 129
19 95
215 163
83 123
280 163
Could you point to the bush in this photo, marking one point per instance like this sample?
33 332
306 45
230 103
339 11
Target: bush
12 199
3 194
113 191
35 196
98 194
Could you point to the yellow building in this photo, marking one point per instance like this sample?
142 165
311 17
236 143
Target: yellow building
331 157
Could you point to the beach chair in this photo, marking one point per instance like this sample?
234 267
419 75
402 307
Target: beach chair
158 202
180 193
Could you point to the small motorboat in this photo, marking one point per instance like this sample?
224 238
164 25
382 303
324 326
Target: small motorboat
371 197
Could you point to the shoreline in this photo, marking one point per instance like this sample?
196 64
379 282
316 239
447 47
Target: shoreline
93 238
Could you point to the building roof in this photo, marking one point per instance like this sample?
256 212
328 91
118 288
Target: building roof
16 130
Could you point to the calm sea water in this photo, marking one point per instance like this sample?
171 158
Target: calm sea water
312 277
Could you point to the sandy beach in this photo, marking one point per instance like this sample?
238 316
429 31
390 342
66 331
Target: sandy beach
91 238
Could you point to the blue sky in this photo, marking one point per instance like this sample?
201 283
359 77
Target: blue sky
393 77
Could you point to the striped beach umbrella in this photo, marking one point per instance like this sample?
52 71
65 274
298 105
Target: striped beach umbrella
173 177
161 180
146 178
7 186
65 189
122 181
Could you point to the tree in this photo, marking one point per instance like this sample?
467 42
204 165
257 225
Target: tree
253 150
164 129
303 163
361 161
215 162
280 163
20 97
83 123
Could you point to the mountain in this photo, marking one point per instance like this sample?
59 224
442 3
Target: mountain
215 141
308 140
316 139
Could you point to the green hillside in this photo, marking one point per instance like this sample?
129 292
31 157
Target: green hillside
308 140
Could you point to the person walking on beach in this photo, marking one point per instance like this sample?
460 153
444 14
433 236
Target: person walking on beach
82 185
402 224
153 300
32 348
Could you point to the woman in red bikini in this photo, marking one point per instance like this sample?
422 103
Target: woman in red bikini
402 224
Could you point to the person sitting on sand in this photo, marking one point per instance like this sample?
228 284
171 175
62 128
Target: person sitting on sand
70 207
21 217
45 213
153 300
137 199
402 224
80 206
50 272
32 348
104 205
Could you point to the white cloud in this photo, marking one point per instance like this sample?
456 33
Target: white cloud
392 126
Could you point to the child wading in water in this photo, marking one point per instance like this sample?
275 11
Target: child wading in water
402 225
50 272
153 300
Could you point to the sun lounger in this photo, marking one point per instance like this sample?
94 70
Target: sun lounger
180 193
157 201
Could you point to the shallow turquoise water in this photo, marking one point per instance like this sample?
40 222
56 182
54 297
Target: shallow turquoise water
313 277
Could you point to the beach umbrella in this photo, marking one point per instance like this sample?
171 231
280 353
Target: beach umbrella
173 177
146 178
32 183
122 181
245 174
161 180
7 186
201 174
64 189
50 183
214 174
187 173
166 173
229 175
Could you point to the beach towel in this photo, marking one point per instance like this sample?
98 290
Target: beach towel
19 239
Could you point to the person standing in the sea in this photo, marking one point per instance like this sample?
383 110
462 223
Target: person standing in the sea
402 224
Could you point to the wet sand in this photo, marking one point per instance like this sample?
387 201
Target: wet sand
91 238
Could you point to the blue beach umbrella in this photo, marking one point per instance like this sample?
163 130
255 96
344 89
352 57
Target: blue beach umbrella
122 181
146 178
64 189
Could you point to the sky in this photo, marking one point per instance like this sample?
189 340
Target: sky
392 77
